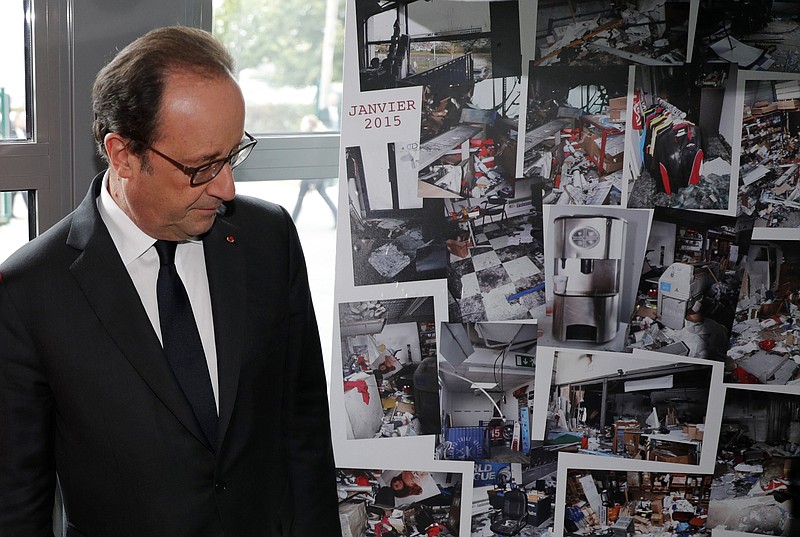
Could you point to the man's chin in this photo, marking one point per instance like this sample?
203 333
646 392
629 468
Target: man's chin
201 226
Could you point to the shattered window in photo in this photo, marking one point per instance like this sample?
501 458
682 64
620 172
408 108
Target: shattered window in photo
410 43
647 32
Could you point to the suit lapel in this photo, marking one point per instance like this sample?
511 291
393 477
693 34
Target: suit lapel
108 288
227 284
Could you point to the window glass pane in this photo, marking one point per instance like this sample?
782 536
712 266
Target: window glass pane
312 204
289 57
13 79
426 55
14 228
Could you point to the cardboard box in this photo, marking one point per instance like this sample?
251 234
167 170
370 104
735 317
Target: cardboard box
667 456
657 519
680 459
761 110
617 114
657 506
696 432
618 103
789 104
353 519
591 146
405 407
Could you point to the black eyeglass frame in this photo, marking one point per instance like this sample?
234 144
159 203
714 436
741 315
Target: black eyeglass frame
192 171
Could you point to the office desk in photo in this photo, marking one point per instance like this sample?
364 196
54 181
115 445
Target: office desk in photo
680 442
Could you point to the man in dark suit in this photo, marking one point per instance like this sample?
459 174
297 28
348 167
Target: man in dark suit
90 397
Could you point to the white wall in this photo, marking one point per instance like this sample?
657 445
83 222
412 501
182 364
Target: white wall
467 409
379 189
398 336
727 121
661 234
394 336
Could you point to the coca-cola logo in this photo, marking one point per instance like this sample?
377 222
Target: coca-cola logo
638 118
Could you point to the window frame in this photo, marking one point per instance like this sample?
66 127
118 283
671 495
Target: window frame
60 159
279 157
39 163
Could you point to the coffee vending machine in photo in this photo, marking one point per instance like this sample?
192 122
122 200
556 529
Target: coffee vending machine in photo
589 253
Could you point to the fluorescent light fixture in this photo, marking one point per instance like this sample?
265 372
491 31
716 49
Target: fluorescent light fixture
522 371
484 385
658 383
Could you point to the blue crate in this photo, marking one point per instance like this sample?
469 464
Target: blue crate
467 443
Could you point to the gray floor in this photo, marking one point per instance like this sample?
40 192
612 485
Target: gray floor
481 527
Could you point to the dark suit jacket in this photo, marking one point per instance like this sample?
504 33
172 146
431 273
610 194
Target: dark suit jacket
86 391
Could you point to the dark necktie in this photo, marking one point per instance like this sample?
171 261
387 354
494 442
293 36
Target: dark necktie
182 343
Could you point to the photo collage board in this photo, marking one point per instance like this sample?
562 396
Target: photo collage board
568 276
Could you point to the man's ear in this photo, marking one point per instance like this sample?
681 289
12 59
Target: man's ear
121 160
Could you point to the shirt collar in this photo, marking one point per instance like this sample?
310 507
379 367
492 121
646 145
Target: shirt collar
131 242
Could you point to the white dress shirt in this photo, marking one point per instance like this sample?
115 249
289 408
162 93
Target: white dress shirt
141 260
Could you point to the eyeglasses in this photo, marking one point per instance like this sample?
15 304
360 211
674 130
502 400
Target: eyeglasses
201 175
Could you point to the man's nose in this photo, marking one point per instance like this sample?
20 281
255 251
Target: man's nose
223 186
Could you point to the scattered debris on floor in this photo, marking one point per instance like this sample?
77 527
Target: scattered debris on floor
769 175
642 34
766 351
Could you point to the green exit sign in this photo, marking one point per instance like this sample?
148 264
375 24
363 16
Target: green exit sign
524 360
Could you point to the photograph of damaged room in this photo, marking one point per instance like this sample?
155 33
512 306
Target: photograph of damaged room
489 250
575 133
769 173
396 236
756 488
626 503
765 339
590 32
467 140
496 264
404 43
389 367
689 285
678 153
512 499
615 405
399 503
594 257
757 34
487 375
